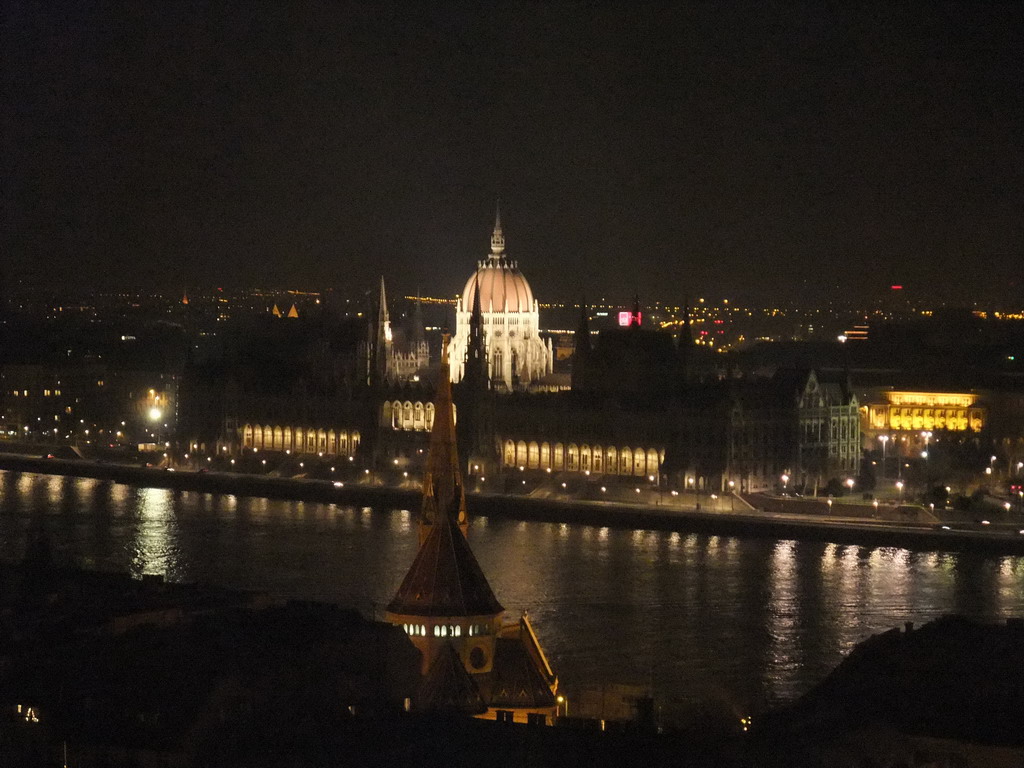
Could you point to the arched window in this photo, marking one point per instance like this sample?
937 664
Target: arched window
300 438
332 442
343 443
321 441
288 438
428 417
653 462
533 453
558 457
407 421
639 462
584 458
418 421
625 462
278 439
396 415
572 459
521 457
247 436
353 445
545 455
510 453
598 459
611 460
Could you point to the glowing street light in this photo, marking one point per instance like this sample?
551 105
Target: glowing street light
785 482
155 414
899 486
884 439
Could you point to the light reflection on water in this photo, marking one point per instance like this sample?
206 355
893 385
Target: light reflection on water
743 620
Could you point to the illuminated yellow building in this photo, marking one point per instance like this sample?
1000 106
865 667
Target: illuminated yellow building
916 411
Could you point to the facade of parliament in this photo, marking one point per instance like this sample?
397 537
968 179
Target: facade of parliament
640 405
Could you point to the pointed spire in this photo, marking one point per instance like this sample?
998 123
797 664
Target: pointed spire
382 304
443 492
293 312
475 374
275 311
381 339
497 238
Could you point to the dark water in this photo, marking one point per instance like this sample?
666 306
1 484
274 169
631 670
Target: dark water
743 620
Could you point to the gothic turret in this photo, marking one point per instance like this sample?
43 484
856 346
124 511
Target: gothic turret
476 375
497 238
380 341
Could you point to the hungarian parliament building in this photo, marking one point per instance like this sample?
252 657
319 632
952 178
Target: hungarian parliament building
639 402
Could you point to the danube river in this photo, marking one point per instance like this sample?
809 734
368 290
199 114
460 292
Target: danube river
742 621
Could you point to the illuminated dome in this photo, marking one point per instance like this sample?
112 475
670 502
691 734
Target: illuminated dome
509 321
500 281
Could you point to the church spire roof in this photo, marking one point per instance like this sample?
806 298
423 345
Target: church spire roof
445 579
381 339
497 238
443 492
476 345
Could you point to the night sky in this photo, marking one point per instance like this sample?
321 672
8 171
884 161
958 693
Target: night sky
754 151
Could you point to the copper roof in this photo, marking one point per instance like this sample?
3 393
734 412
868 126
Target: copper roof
445 579
516 679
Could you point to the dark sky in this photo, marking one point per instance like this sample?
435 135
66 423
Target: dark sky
756 151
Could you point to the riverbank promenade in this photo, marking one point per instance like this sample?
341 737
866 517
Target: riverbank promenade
591 503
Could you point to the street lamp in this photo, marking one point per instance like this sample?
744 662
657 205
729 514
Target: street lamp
849 483
785 483
899 486
884 439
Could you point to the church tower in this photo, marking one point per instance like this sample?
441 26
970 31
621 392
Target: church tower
475 402
443 491
473 662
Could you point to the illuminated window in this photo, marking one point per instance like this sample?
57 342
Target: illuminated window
46 393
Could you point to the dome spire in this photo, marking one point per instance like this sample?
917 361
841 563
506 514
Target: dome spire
497 238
